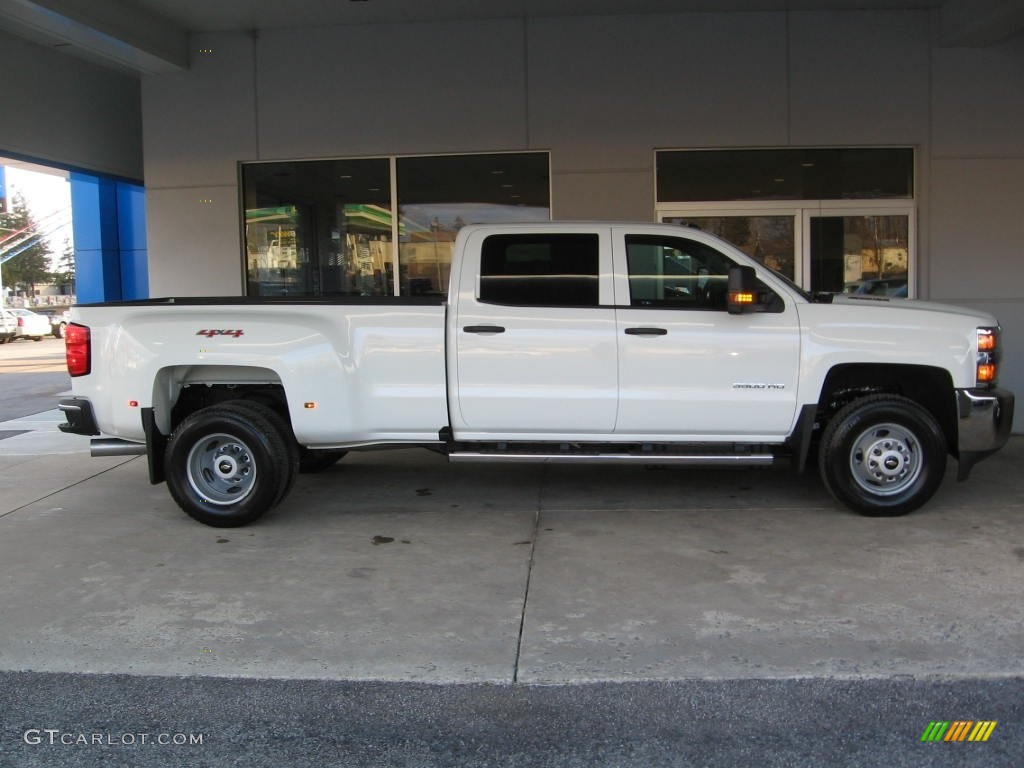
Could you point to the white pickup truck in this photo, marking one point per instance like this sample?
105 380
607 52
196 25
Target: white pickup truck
557 342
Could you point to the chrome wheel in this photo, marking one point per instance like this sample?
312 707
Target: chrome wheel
221 469
885 459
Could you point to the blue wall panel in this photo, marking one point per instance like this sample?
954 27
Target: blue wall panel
109 220
131 220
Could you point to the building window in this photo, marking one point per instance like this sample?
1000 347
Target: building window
330 227
837 220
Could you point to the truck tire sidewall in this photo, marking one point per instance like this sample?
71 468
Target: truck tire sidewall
268 452
287 436
853 425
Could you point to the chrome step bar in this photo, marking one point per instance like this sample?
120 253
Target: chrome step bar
692 460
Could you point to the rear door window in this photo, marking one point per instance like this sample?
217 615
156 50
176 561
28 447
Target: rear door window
551 270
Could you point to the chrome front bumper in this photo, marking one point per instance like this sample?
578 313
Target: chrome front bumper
984 420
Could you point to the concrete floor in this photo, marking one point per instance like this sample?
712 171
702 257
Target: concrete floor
399 566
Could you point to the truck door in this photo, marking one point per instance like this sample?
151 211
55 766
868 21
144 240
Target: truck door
534 336
687 368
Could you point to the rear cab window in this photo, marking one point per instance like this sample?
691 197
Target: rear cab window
543 269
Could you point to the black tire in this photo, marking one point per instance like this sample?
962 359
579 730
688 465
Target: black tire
882 456
227 465
284 429
317 461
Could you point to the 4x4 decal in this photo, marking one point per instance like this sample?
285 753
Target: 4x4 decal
211 333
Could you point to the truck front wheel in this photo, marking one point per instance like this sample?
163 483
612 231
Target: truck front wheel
882 456
226 466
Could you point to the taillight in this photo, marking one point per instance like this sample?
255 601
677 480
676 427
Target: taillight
78 348
988 356
21 322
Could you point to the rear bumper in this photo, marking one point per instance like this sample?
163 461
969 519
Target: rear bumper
82 421
984 420
79 415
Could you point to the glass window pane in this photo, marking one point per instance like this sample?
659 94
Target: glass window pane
540 270
318 228
767 239
438 195
675 272
785 174
860 254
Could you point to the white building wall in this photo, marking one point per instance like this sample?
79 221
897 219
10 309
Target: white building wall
601 93
68 112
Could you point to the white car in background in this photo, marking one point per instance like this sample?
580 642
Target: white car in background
59 318
25 324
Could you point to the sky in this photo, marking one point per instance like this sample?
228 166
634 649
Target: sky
48 197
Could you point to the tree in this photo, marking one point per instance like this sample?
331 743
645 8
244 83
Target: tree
64 274
31 265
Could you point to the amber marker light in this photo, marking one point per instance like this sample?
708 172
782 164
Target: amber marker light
741 298
986 373
309 406
986 340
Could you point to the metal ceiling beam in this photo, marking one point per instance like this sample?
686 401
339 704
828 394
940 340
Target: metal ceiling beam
111 30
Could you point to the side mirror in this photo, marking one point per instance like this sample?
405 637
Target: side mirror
742 290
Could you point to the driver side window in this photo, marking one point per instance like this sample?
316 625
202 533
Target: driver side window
674 272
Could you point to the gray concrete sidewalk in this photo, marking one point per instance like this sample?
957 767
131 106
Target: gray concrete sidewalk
399 566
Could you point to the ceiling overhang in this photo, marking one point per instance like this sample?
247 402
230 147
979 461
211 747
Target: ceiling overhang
152 36
109 31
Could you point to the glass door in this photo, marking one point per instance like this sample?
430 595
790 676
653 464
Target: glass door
849 247
861 252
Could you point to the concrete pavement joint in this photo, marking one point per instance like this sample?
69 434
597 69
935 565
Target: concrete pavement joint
529 571
66 487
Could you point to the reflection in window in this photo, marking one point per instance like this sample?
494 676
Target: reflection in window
785 174
769 240
318 228
673 272
439 195
326 227
860 254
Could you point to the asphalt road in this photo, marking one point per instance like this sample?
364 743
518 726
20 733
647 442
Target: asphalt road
143 722
33 375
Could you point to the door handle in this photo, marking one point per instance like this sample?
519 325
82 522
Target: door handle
483 329
646 331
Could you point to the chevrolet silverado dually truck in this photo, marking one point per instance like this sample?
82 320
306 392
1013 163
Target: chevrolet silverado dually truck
557 342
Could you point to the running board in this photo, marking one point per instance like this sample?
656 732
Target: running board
655 459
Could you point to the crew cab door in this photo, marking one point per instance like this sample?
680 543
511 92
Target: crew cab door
533 335
687 368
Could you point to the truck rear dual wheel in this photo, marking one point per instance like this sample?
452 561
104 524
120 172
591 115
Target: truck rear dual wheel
882 456
228 464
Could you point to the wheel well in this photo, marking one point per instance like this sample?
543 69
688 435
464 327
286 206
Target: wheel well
196 396
929 387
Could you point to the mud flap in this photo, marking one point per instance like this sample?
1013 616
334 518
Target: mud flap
156 446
